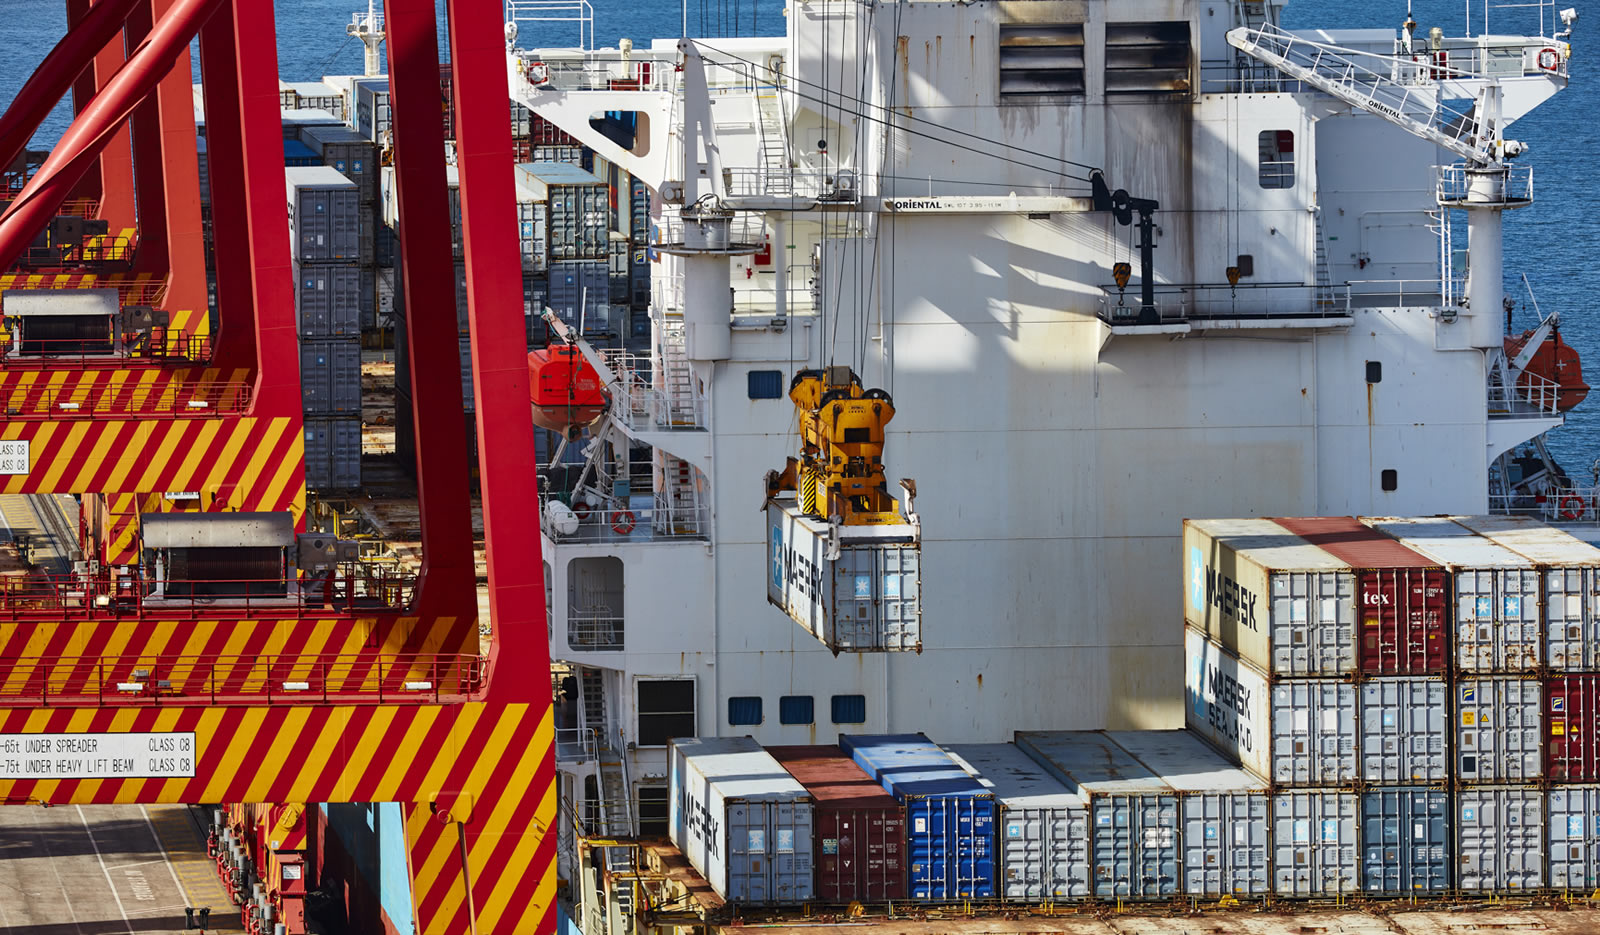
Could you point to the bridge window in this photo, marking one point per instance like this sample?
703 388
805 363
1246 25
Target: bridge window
1041 58
849 709
1275 152
666 710
766 384
796 709
744 711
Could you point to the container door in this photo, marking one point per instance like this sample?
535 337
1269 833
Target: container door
837 873
1313 733
1313 623
1403 612
749 864
1499 734
1499 837
1135 846
1045 854
1572 609
1574 837
926 850
1405 841
1314 843
1403 730
1572 717
1225 844
789 837
974 847
1497 620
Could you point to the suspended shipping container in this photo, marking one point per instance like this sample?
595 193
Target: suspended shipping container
867 599
1403 598
949 815
1043 846
1500 839
1314 843
1497 620
372 109
1405 841
1222 812
1499 729
741 820
1133 813
1284 606
579 208
859 830
1570 569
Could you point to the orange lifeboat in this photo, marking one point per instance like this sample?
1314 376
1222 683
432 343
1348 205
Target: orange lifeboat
565 389
1557 362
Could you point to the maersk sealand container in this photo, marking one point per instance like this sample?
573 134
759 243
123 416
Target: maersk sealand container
949 815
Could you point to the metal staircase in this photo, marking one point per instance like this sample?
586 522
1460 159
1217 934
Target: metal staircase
678 509
682 409
1325 298
776 177
1404 92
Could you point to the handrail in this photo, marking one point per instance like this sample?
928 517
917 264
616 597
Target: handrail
1204 301
186 399
158 345
140 596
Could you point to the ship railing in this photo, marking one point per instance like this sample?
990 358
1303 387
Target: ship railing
801 184
577 744
139 596
604 70
745 228
1558 505
1211 301
281 678
562 14
1246 76
1395 293
642 403
596 632
1532 396
83 399
1452 183
161 345
102 250
618 525
1483 56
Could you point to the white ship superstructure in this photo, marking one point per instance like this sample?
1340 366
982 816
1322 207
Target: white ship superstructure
910 194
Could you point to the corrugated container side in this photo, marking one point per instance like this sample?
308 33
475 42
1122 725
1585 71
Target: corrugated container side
1280 604
1572 726
1404 730
330 376
1314 843
1403 597
333 453
580 291
532 235
1133 813
1299 732
859 830
868 599
1572 618
950 816
1405 840
639 277
1499 729
1574 822
1044 828
464 351
328 300
349 153
741 820
1500 839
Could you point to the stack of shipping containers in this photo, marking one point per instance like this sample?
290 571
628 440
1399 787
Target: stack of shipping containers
327 233
356 158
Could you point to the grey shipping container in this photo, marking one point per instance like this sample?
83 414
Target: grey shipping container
1133 813
369 298
558 152
619 264
1574 821
468 402
1499 729
1571 578
1405 840
1500 839
580 293
639 211
532 235
741 820
328 300
1497 622
867 599
372 108
1295 732
1314 843
330 376
639 278
296 119
1044 828
326 220
205 171
333 453
462 307
1223 811
349 153
578 205
1283 605
1404 730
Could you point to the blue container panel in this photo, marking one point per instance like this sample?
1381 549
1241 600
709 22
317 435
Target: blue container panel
950 847
909 764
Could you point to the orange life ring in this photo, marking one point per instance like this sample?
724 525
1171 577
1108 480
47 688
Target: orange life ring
539 73
623 523
1572 507
1549 59
581 511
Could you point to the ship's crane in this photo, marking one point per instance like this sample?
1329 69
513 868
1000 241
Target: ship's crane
1122 207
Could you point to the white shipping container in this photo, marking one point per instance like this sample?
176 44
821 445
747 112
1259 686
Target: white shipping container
1500 839
1574 820
1278 602
1499 729
863 597
1314 843
1404 730
1571 580
1498 627
1297 732
741 820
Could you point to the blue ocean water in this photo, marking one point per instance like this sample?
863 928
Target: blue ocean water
1551 241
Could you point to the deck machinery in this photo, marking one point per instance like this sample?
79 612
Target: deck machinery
317 686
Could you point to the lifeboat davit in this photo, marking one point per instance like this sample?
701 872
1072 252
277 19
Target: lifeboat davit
565 389
1557 362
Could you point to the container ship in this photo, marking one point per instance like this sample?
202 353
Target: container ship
865 598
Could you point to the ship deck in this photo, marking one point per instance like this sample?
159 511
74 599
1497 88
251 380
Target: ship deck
1382 921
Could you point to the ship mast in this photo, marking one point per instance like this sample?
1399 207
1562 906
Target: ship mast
369 29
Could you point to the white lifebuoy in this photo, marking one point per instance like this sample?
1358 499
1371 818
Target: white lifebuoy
539 73
1549 59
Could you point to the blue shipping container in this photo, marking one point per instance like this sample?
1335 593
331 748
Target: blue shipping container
296 153
949 815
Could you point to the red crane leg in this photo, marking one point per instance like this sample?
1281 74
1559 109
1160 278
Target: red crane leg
449 579
180 201
149 175
117 207
70 58
234 345
83 92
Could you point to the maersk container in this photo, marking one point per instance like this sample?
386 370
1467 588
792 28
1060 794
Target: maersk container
1499 729
327 300
1044 828
1498 627
1403 598
949 815
330 376
349 153
333 453
859 830
1500 839
1296 732
1314 843
1222 808
1572 727
867 597
579 208
1574 821
1570 569
1133 813
325 216
1405 840
1404 727
741 820
1284 606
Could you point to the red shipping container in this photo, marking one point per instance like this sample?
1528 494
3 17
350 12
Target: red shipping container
859 830
546 133
1404 598
1572 719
